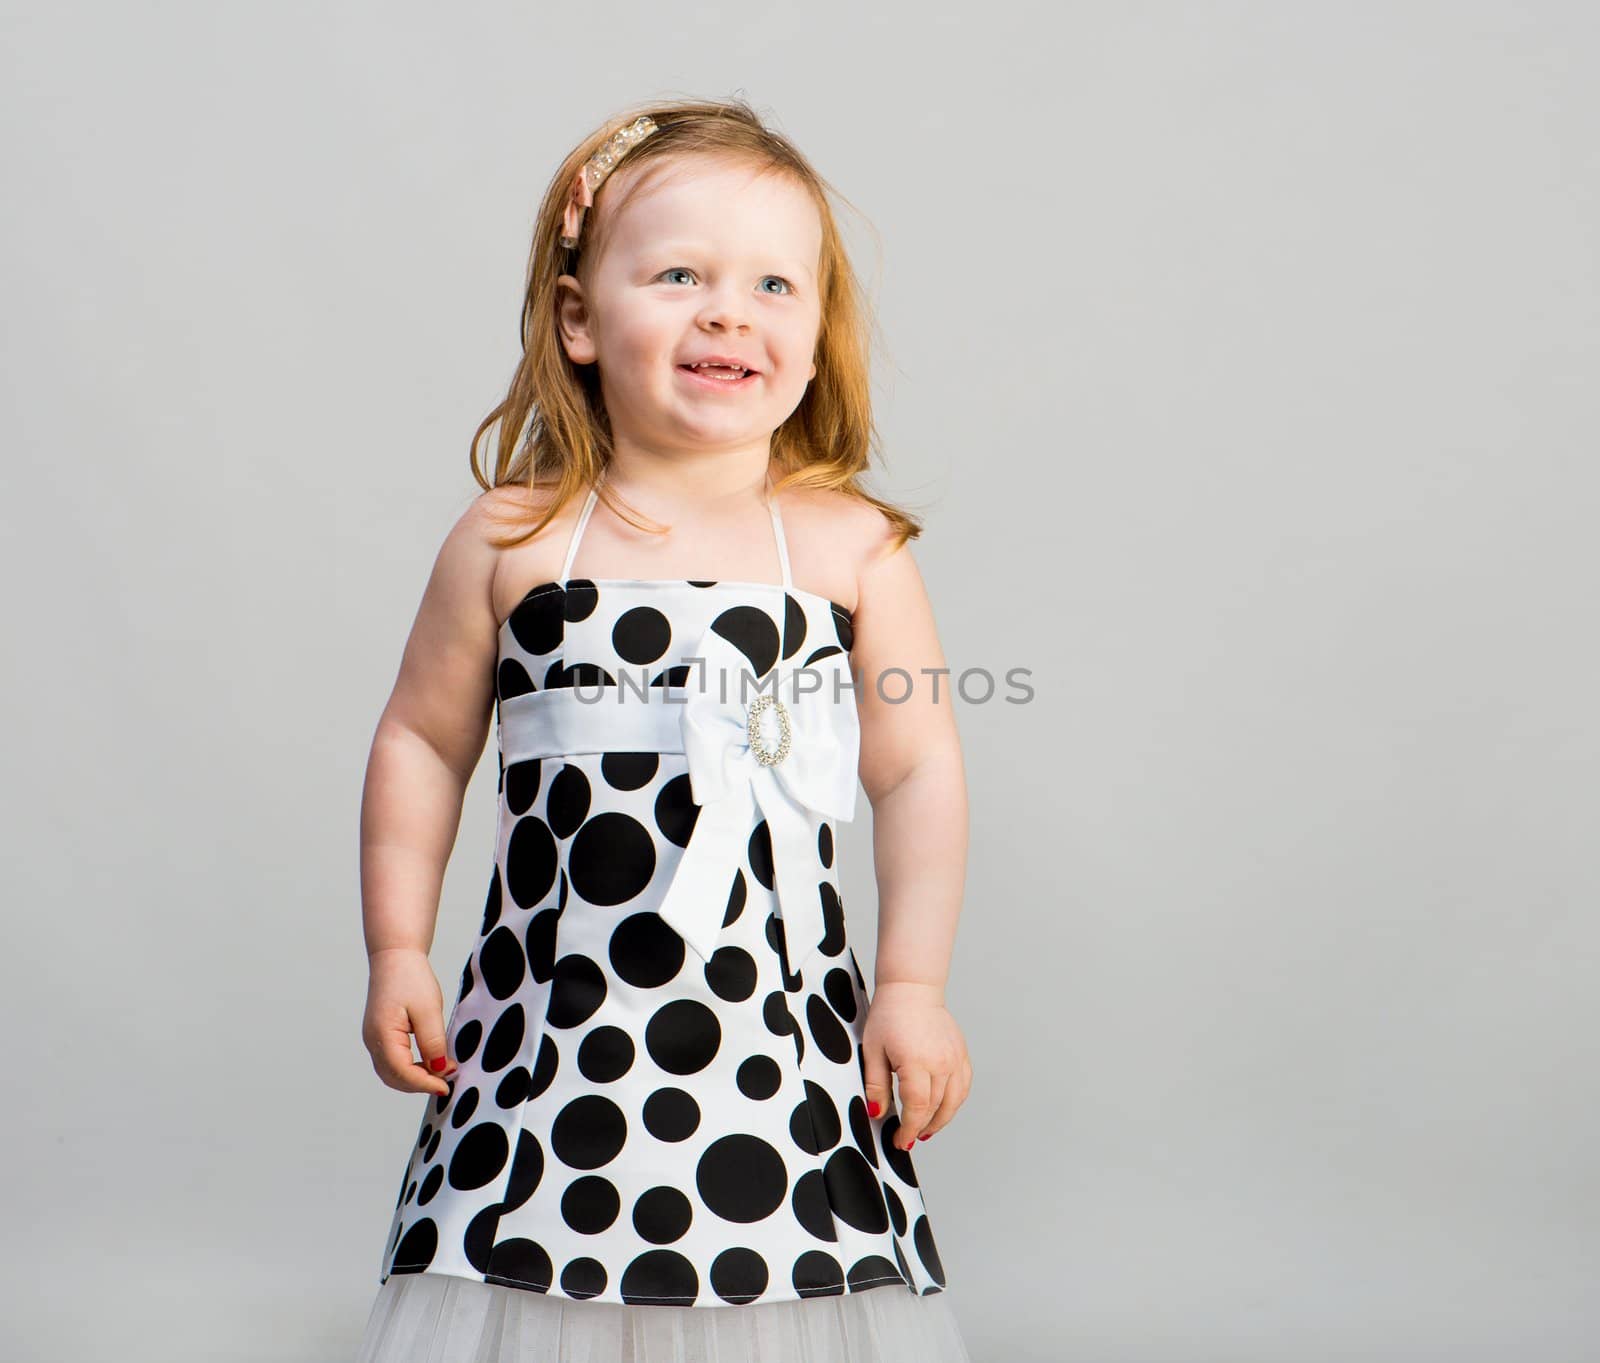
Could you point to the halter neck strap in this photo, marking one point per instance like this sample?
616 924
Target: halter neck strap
594 496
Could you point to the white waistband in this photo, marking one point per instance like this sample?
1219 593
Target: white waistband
592 719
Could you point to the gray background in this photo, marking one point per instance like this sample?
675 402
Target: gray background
1242 360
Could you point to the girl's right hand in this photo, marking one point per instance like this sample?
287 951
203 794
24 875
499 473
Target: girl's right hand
404 1000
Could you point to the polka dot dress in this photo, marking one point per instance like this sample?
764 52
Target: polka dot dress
633 1123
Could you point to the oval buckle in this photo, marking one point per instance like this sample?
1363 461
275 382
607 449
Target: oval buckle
768 757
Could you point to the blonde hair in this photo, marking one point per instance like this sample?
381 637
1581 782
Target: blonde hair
825 443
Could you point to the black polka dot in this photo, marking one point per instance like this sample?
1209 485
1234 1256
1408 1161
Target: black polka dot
897 1209
641 635
853 1191
739 1275
430 1185
750 630
629 770
927 1251
569 801
833 940
870 1271
511 679
670 1114
662 1214
583 1278
736 899
841 992
817 1274
477 1243
588 1132
810 1205
491 910
861 1129
522 785
505 1039
544 1069
683 1036
527 1168
501 962
662 1277
520 1263
466 1100
825 844
512 1090
676 811
731 973
827 1031
899 1160
814 1125
479 1157
741 1177
540 942
536 622
759 1077
577 989
580 599
612 859
590 1204
606 1055
530 861
794 626
645 950
417 1247
468 1035
759 853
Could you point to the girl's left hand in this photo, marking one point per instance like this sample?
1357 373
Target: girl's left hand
910 1031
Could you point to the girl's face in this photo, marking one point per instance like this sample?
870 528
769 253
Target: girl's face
709 259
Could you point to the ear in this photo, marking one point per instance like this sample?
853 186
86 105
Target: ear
572 317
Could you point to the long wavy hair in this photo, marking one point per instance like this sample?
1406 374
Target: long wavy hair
553 429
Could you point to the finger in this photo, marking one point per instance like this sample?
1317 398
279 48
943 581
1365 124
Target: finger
955 1093
428 1028
393 1061
875 1068
915 1108
936 1091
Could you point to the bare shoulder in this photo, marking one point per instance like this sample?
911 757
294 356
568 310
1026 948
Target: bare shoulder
840 538
501 519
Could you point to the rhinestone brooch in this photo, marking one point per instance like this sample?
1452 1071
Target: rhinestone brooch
768 757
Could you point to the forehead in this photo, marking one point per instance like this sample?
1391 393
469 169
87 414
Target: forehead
728 206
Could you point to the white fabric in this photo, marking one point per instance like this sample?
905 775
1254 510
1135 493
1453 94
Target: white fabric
816 780
437 1318
707 719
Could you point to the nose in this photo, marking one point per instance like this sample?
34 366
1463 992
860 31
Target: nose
724 309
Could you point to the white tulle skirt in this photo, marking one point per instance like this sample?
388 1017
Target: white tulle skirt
437 1318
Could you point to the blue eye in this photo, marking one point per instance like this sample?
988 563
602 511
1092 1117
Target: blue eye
676 269
788 287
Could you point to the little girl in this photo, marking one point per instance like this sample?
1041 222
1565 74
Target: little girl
660 1122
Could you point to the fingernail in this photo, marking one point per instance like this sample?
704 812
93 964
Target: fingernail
924 1136
873 1109
439 1063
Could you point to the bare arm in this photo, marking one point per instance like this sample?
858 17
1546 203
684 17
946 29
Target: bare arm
427 745
912 772
428 742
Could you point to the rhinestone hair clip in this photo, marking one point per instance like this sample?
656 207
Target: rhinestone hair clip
594 173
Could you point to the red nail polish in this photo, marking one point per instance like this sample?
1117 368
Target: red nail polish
873 1109
924 1136
439 1064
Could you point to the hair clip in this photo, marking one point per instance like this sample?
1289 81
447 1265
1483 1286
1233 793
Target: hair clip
594 173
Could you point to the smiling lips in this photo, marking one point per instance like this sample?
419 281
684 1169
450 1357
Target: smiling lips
721 371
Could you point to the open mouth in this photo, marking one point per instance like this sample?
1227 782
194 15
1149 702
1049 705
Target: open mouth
720 375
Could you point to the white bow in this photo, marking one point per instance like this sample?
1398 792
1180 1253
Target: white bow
813 781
